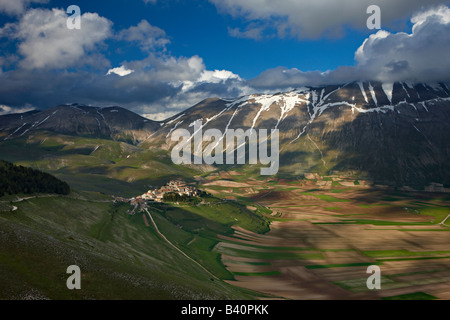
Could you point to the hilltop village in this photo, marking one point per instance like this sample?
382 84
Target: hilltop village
157 195
175 186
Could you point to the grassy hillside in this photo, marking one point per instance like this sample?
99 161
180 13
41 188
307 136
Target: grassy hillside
89 164
119 256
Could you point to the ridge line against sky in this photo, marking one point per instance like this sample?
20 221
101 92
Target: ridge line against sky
158 58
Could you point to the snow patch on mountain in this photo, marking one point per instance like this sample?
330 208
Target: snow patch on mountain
388 88
409 84
288 104
17 130
173 129
172 121
404 89
372 93
361 86
101 114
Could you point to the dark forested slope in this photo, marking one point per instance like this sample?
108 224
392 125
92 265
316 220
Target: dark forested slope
18 179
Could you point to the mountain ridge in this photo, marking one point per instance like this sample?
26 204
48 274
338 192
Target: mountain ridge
394 133
110 122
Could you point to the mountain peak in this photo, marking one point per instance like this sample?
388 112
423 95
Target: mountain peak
75 119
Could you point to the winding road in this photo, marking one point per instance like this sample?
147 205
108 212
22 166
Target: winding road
443 222
175 247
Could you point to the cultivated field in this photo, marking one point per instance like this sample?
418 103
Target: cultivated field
323 240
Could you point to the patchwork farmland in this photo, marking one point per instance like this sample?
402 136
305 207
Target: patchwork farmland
323 240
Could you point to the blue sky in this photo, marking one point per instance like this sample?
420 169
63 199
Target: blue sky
158 57
195 27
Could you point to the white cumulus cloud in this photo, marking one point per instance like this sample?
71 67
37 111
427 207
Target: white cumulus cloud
121 71
16 7
217 76
9 110
419 56
159 116
46 42
147 36
312 19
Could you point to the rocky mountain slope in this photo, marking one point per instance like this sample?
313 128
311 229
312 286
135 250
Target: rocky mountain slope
391 133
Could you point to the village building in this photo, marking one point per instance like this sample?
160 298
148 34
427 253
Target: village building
175 186
157 195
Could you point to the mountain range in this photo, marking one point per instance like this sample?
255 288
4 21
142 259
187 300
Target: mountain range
391 133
